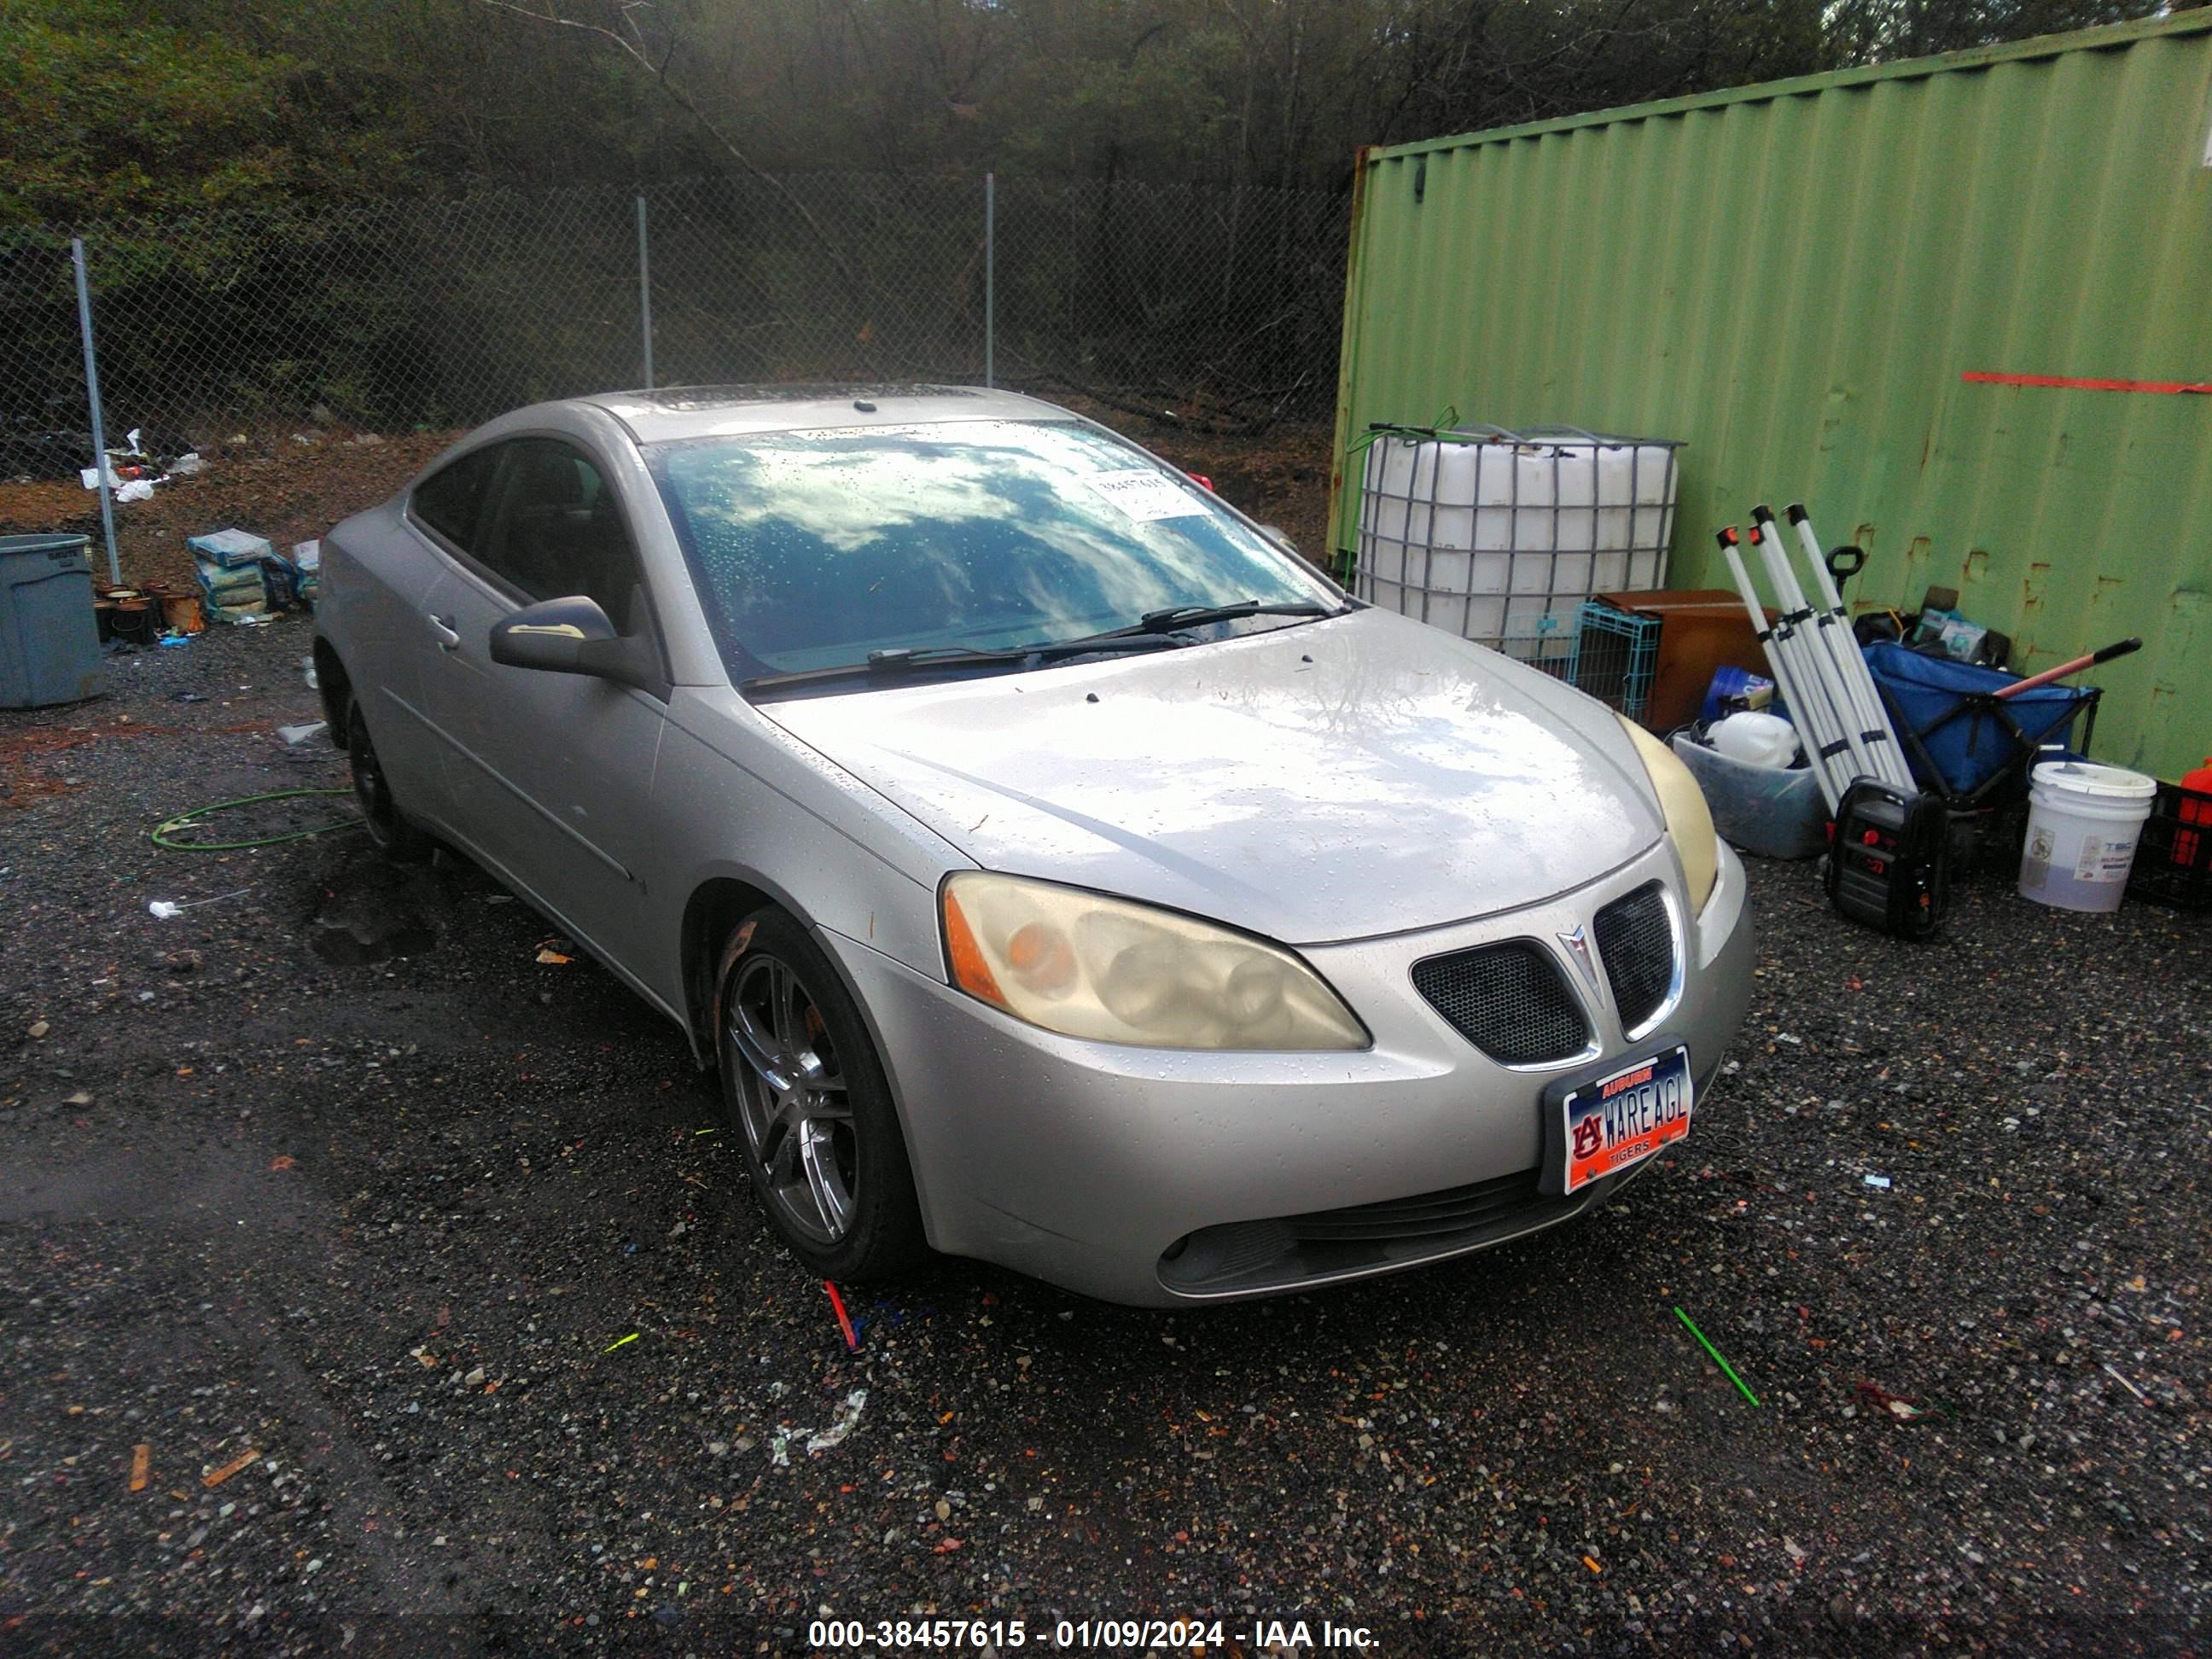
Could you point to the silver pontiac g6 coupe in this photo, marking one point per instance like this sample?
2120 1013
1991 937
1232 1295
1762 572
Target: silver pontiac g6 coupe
1055 868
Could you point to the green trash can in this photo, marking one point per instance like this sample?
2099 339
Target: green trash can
49 640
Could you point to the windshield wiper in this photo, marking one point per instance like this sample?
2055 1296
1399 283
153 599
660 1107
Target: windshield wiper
1198 615
900 659
956 655
1166 624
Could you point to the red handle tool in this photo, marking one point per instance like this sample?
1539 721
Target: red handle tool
2120 649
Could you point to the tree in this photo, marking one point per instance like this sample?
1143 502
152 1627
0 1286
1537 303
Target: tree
111 114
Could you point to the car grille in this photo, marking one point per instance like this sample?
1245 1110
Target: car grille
1433 1215
1290 1249
1508 1000
1636 943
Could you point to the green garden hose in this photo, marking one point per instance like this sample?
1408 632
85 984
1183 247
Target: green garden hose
200 814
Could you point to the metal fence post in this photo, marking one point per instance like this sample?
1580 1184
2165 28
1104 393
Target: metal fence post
644 290
990 278
92 392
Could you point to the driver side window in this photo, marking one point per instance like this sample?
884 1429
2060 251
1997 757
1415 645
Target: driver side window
554 528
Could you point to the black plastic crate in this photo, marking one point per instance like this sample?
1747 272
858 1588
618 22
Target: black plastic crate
2174 860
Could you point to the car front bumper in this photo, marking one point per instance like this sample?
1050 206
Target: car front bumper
1163 1177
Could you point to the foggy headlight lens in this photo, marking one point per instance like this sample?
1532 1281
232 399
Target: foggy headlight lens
1088 966
1689 820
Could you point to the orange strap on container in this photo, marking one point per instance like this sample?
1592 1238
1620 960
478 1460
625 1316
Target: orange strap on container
1977 377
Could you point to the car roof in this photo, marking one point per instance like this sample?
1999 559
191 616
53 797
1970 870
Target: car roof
707 411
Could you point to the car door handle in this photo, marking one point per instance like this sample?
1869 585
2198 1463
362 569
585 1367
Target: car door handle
442 627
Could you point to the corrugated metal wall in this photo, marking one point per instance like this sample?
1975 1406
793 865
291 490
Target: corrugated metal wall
1795 278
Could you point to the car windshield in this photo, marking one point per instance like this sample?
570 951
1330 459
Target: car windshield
813 549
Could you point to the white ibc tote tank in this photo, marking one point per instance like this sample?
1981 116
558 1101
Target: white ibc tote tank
1487 532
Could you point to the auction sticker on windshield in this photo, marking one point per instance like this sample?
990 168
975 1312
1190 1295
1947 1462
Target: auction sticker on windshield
1145 494
1601 1128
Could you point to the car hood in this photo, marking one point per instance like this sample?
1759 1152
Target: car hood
1356 775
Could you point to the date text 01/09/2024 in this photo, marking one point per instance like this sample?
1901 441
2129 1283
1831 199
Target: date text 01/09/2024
1096 1635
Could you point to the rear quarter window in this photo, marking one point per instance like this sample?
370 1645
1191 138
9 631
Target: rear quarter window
451 500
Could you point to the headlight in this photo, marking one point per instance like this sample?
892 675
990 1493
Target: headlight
1689 820
1087 966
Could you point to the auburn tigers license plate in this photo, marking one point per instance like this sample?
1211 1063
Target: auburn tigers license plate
1602 1126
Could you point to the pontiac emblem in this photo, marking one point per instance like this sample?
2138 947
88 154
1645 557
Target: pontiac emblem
1577 944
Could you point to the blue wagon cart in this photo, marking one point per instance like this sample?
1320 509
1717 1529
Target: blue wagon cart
1967 745
1963 741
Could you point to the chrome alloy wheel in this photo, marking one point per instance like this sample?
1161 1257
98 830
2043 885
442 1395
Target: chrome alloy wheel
792 1098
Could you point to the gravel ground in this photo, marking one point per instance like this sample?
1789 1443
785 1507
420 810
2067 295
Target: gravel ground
447 1326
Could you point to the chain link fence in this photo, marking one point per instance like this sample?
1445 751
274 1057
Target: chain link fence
1225 307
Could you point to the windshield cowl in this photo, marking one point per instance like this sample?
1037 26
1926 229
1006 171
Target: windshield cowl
887 668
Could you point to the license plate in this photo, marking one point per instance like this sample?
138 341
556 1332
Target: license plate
1601 1126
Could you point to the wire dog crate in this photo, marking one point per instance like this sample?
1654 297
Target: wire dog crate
1612 655
1489 532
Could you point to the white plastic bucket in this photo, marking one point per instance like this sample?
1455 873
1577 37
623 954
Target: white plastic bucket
2084 822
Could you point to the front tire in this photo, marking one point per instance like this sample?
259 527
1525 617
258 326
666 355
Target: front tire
397 838
804 1090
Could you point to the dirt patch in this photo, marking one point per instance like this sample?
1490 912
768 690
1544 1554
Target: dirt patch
272 483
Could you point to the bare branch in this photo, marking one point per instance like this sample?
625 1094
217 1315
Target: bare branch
632 46
536 16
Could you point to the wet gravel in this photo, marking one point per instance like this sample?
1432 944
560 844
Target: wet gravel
332 1185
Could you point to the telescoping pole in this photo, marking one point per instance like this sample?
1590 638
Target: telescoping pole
1813 713
1814 664
1783 675
1806 619
1875 732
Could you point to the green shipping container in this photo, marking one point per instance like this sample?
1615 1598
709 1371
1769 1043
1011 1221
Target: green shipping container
1960 307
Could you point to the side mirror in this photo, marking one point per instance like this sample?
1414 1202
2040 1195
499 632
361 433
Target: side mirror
572 635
